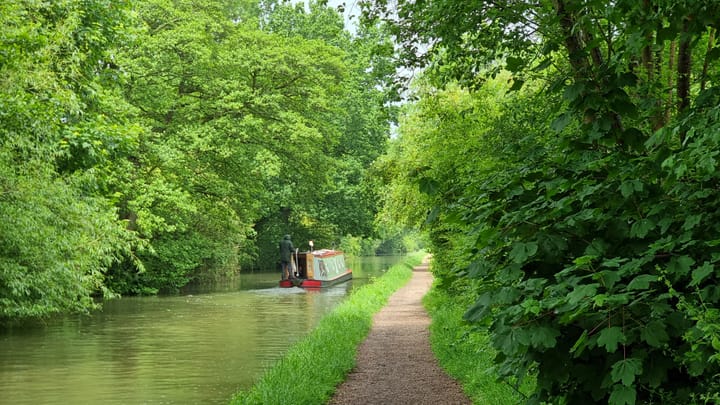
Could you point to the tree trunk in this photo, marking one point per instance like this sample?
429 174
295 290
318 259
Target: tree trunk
711 44
647 58
670 85
684 66
572 41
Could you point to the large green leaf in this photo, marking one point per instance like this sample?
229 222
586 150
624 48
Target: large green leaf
623 395
610 338
701 273
641 282
654 333
521 251
626 370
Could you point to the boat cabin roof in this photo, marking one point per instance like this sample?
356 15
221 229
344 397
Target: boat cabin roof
325 253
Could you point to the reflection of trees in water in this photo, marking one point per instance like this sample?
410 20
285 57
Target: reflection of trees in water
160 343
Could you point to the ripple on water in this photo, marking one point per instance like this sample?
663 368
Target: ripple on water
187 349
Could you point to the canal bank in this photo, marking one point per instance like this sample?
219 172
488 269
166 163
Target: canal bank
312 369
373 349
395 364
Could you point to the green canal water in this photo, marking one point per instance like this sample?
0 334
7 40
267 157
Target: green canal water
195 348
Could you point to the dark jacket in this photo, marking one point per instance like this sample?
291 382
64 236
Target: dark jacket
286 248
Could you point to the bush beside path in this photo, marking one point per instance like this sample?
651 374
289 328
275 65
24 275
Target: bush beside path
395 364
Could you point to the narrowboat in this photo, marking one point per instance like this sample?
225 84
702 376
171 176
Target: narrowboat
318 269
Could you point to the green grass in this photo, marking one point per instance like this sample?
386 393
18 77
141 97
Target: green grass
316 365
465 352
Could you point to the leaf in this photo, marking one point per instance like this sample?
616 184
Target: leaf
680 265
654 333
432 215
573 91
561 122
582 292
531 306
514 64
641 228
521 251
665 224
608 278
697 367
583 261
610 338
613 263
622 395
543 337
641 282
479 268
479 309
597 247
543 65
513 341
628 187
580 344
517 85
429 186
625 371
691 222
700 273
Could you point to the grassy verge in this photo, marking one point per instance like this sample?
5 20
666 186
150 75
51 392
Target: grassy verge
312 368
465 352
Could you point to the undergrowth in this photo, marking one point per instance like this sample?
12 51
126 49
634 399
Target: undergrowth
466 353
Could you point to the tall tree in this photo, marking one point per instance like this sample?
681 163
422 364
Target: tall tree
594 257
236 118
345 204
58 232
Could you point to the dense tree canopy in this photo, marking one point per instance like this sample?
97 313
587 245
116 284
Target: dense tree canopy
578 204
58 232
147 144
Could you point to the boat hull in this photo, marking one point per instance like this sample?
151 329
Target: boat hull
318 269
314 283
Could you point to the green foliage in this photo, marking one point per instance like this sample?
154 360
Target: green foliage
351 245
579 205
59 232
242 136
331 194
164 136
56 243
465 351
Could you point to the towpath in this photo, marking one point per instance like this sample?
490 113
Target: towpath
395 365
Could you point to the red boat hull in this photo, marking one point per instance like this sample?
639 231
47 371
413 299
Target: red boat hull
313 283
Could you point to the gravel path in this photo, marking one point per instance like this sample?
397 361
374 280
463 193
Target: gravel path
395 364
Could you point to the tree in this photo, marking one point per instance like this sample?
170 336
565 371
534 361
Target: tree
345 202
236 118
146 144
59 232
590 261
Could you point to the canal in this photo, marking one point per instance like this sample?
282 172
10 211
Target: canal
196 348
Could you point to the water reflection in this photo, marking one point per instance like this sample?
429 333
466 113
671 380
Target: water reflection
193 349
